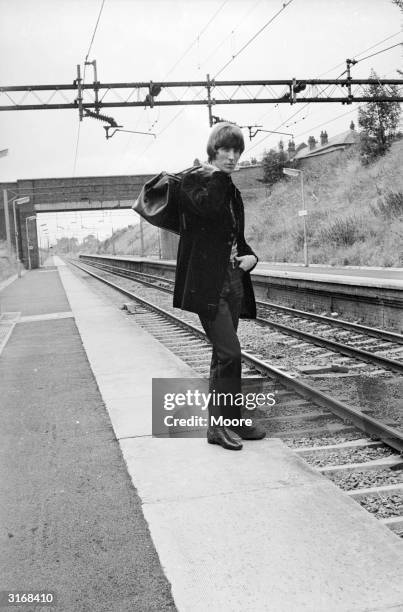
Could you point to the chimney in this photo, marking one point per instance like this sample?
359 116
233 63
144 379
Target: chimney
311 143
291 149
323 138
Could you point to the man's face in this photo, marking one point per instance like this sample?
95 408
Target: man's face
226 159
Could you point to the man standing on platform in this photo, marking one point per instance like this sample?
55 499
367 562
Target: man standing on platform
212 273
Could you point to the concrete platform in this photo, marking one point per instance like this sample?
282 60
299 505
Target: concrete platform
381 278
376 272
254 531
71 520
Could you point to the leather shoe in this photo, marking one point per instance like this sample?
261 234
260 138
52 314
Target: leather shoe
218 434
249 432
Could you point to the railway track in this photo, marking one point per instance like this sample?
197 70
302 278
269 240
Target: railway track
358 452
361 347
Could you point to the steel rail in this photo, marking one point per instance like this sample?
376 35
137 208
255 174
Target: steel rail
369 331
344 349
144 274
130 274
391 436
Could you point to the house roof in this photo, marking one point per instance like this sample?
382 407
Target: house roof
336 142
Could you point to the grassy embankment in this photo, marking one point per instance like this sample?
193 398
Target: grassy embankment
357 218
127 241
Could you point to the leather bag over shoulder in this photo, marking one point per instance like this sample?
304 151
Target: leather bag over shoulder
158 200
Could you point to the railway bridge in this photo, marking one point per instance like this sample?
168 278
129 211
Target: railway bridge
29 197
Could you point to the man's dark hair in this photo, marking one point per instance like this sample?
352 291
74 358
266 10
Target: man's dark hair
225 135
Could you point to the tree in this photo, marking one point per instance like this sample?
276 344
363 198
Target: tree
66 245
90 244
379 121
273 163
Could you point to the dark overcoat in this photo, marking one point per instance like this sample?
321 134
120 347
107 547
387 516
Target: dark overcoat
206 236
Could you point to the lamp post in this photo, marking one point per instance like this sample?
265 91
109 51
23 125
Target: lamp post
303 212
27 234
42 233
16 202
46 235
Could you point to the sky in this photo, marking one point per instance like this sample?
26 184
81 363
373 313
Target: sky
143 40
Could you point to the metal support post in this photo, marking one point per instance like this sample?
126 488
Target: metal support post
17 246
209 101
306 263
96 83
7 220
79 93
349 63
28 242
302 213
293 96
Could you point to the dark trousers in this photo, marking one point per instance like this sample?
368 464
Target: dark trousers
225 368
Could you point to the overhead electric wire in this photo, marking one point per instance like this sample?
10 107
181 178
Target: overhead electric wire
285 4
171 70
364 51
307 131
308 103
86 58
285 122
343 63
245 46
352 110
182 110
95 30
378 52
224 40
197 37
320 124
340 75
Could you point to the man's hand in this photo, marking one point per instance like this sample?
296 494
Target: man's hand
246 262
209 168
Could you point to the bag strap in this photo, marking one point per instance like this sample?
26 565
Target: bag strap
189 170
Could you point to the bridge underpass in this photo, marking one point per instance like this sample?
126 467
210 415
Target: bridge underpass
61 195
